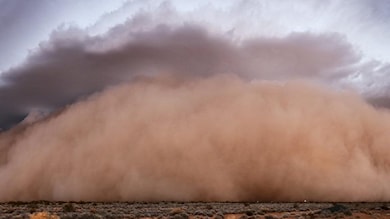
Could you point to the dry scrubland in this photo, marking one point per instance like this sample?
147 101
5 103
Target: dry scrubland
90 210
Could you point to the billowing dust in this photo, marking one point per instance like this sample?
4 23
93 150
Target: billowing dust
218 138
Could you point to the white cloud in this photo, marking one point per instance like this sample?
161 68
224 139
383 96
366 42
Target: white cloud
359 21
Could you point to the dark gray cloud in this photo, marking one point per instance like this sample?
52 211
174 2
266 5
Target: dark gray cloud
72 65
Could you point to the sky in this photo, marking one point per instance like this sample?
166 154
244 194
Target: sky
24 24
29 28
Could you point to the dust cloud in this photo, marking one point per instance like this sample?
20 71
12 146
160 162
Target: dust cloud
218 138
213 104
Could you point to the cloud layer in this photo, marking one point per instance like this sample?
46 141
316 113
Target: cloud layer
73 65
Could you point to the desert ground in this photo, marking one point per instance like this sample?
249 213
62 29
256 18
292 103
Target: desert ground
217 210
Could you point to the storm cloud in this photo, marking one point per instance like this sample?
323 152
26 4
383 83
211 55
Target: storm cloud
73 65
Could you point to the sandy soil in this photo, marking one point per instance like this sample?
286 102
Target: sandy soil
88 210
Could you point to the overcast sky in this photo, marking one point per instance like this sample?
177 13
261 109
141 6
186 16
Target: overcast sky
24 23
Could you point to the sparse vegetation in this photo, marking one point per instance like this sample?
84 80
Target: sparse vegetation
68 207
173 210
43 215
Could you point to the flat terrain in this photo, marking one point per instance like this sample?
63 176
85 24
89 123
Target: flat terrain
217 210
